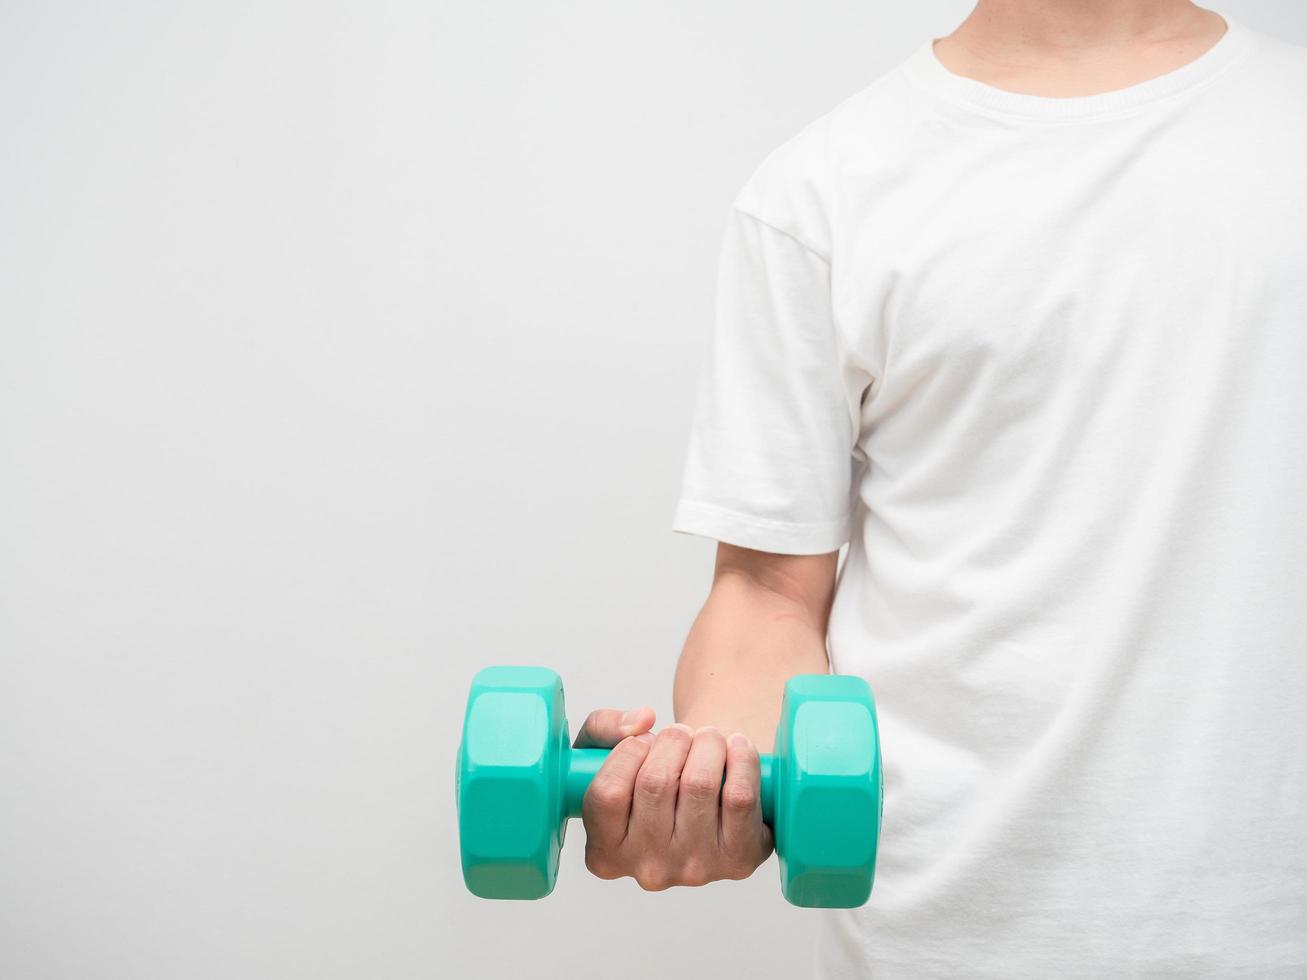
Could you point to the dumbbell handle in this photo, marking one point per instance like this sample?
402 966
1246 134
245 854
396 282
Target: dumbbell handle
583 764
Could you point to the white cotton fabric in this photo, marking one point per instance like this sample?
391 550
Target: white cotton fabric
1042 364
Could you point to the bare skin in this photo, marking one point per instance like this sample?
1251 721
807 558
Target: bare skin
681 807
1067 49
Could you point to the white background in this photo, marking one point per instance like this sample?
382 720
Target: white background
345 349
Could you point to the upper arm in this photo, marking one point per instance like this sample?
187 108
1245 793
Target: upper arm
771 465
771 452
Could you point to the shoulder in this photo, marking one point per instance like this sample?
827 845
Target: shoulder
1275 60
1270 80
795 187
1278 51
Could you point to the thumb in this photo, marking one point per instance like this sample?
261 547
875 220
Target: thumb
606 727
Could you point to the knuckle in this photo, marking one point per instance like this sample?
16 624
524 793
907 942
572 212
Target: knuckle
655 782
738 869
745 854
701 785
695 874
599 865
653 879
737 799
608 797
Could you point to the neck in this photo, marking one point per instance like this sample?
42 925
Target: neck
1076 47
1080 27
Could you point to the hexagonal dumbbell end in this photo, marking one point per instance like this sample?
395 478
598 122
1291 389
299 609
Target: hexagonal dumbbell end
509 782
828 791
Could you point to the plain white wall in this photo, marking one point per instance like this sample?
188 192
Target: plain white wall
345 349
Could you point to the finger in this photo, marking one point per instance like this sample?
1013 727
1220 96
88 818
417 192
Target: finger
745 838
653 804
606 806
700 789
606 727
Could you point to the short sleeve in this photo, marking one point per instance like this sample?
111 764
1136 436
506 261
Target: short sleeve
771 449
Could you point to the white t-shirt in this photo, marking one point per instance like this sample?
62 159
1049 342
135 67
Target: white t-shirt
1042 364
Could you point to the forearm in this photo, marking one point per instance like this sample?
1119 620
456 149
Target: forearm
742 647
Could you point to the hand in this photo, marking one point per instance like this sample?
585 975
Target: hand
658 810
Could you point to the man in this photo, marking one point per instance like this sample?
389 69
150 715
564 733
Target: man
1024 323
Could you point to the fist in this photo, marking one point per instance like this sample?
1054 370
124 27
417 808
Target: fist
681 807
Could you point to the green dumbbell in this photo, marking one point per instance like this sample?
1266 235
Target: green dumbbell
518 780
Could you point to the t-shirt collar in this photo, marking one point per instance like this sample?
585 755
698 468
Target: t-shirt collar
925 70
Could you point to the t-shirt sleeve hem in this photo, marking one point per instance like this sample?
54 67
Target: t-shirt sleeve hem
759 533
